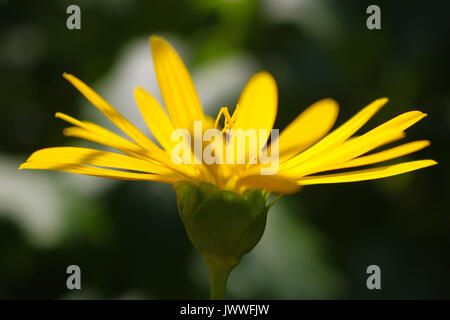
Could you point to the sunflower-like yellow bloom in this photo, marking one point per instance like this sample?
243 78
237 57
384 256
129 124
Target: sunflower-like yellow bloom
224 205
305 149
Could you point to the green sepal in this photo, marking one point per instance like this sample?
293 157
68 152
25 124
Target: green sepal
222 225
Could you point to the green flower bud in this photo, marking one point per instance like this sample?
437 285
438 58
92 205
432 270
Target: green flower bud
222 225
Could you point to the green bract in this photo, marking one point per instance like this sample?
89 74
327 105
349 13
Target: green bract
222 225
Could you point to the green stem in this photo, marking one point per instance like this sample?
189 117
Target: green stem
219 269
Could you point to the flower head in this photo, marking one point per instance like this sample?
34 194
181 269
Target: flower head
224 205
305 149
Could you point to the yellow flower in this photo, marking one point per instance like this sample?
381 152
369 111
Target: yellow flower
224 205
304 147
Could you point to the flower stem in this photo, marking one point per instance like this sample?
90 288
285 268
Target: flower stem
219 269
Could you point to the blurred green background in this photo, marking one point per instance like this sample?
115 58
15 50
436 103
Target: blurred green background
127 236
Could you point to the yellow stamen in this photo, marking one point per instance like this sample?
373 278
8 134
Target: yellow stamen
227 119
235 113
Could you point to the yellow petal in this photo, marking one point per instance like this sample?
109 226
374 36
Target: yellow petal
340 134
113 115
385 155
308 128
257 110
401 122
258 103
367 174
86 156
347 150
387 132
95 133
176 85
97 172
272 183
156 118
